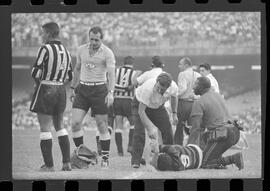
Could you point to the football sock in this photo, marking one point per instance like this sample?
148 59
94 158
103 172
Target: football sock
130 135
105 145
64 144
118 140
78 137
46 148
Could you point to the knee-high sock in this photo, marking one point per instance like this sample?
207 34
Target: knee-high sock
46 148
78 137
130 135
64 144
105 145
118 140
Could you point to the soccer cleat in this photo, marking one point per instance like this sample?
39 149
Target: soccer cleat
135 165
104 164
142 161
237 159
45 168
66 166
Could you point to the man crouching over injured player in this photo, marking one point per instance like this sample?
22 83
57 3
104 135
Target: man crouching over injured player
212 130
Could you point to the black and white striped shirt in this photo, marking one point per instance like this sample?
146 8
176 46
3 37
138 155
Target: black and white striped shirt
123 78
53 63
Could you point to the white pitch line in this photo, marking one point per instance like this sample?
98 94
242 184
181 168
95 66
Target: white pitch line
133 175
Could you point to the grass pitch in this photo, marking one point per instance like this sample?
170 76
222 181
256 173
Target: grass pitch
27 159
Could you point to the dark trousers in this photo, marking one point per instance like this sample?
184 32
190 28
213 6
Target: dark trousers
159 118
183 114
212 154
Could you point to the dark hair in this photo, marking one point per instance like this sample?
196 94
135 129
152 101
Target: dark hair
204 82
164 79
96 30
164 162
157 62
206 66
186 61
129 60
52 28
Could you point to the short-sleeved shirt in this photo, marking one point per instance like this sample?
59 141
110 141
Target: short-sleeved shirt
151 99
94 68
214 83
186 80
211 106
153 73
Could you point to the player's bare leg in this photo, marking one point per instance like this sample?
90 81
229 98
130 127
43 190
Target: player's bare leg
63 140
104 137
45 122
77 131
118 134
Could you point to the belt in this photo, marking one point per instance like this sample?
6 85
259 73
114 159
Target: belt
92 83
51 82
186 99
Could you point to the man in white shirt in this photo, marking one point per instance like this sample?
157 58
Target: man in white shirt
205 70
157 68
186 80
150 114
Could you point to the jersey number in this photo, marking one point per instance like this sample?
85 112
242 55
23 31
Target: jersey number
124 79
185 160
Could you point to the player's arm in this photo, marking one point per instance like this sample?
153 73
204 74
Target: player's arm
174 102
197 129
147 123
77 70
69 71
110 64
37 68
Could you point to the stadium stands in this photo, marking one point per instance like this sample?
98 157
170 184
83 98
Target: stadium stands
144 29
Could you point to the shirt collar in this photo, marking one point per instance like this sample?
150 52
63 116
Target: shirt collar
128 66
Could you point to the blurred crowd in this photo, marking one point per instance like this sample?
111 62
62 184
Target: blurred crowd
144 29
22 118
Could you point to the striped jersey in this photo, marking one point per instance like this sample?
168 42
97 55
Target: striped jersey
53 63
184 157
123 79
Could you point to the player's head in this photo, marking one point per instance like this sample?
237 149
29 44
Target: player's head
184 63
129 60
202 84
50 31
163 82
205 69
164 162
157 62
95 37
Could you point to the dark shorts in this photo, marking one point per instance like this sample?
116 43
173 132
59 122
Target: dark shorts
49 99
122 107
91 97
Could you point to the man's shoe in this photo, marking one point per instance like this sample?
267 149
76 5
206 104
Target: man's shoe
45 168
237 159
104 163
66 166
135 165
142 161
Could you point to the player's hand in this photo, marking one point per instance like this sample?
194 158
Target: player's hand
174 119
154 146
109 99
72 95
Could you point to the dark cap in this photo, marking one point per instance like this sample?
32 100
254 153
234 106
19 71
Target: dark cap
157 62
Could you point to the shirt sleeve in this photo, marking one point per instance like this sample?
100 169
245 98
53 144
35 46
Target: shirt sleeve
174 89
142 78
197 108
38 65
143 93
110 59
70 70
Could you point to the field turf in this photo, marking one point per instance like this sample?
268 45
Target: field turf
27 160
